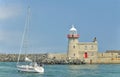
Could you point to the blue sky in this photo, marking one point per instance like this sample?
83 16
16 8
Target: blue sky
52 19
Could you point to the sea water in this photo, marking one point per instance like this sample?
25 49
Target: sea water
8 69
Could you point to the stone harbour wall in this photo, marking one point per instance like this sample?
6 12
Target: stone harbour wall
14 57
45 58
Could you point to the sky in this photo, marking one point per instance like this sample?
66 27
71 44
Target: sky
50 21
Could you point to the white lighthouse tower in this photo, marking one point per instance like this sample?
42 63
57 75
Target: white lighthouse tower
72 43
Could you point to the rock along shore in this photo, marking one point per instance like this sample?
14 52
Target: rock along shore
39 58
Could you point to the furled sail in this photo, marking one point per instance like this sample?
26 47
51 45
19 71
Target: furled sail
27 59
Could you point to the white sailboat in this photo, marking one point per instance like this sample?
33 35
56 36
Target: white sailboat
28 65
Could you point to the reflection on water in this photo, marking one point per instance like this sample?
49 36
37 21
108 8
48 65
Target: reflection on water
83 70
83 67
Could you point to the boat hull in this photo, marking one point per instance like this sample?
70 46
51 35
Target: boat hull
28 68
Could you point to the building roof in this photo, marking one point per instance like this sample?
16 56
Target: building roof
73 28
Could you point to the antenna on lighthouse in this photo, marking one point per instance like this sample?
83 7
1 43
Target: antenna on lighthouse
73 26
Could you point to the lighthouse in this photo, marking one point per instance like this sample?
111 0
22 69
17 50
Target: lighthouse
72 52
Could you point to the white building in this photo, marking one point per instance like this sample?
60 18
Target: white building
80 50
87 51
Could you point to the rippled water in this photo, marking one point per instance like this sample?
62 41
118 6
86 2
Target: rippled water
8 69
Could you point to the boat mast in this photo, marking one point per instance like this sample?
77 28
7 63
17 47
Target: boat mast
24 42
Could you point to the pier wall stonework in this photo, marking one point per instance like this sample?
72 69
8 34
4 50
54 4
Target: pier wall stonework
98 59
14 57
108 60
57 56
102 58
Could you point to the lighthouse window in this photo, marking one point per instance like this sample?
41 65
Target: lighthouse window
92 47
74 46
74 54
72 35
102 54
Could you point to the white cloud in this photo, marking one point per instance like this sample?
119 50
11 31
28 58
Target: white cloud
7 12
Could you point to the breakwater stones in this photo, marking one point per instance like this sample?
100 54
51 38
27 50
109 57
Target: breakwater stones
39 58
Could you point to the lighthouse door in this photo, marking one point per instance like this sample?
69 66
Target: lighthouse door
86 55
